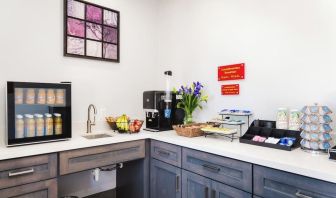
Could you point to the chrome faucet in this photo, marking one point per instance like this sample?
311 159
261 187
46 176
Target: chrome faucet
89 122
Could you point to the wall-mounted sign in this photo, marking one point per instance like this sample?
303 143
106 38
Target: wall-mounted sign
230 89
231 72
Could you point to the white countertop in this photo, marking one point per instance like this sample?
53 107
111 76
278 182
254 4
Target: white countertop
297 161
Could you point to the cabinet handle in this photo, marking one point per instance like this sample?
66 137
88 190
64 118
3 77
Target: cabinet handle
206 192
213 194
25 172
211 168
177 183
164 153
300 195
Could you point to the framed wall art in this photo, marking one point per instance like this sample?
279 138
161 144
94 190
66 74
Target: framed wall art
91 31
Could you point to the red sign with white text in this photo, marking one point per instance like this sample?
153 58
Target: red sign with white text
230 89
231 72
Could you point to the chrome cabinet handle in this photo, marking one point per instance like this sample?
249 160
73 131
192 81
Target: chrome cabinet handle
206 192
300 195
211 168
177 183
165 153
213 194
25 172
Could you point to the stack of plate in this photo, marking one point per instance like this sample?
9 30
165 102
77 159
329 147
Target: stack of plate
316 128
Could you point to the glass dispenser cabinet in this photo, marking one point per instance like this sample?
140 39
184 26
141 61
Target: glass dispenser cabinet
38 112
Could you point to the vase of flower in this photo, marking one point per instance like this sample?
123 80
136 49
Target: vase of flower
192 98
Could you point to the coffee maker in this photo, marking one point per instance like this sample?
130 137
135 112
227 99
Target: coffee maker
161 110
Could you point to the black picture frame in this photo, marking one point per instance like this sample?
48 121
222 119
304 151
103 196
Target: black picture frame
66 35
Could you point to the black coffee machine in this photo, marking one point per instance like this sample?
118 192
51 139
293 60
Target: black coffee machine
161 114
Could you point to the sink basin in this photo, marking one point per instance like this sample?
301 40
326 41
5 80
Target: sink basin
97 136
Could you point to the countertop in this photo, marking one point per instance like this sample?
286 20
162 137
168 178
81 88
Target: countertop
296 161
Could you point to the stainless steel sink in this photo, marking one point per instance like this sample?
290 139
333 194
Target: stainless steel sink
97 136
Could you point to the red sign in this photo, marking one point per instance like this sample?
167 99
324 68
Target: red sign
231 72
230 89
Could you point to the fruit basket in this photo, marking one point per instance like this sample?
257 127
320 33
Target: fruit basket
124 124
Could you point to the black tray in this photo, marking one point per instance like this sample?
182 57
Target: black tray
267 129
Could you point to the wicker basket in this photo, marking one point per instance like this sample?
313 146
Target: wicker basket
190 130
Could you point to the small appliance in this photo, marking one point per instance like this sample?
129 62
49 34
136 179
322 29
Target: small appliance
161 114
37 112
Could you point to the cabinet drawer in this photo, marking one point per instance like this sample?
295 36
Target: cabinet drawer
165 152
43 189
87 158
228 171
274 183
26 170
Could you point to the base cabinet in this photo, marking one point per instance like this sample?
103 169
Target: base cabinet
165 180
220 190
43 189
195 186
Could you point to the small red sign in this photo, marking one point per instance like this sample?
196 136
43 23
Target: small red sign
231 72
230 89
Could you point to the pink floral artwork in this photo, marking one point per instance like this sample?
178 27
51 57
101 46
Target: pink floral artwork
76 9
110 51
110 18
93 31
93 14
110 35
75 46
75 27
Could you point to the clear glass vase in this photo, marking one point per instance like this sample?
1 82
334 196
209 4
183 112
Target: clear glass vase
188 118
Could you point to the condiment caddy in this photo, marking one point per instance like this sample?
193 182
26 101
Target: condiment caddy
264 133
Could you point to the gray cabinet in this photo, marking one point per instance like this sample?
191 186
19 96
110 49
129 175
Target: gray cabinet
220 190
269 183
165 152
43 189
165 180
87 158
20 171
195 186
224 170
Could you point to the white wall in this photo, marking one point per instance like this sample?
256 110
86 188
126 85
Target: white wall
31 49
289 47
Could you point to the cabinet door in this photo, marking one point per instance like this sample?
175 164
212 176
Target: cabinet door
165 180
43 189
220 190
195 186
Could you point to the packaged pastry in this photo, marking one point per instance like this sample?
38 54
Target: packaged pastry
30 96
51 97
60 96
18 96
41 96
